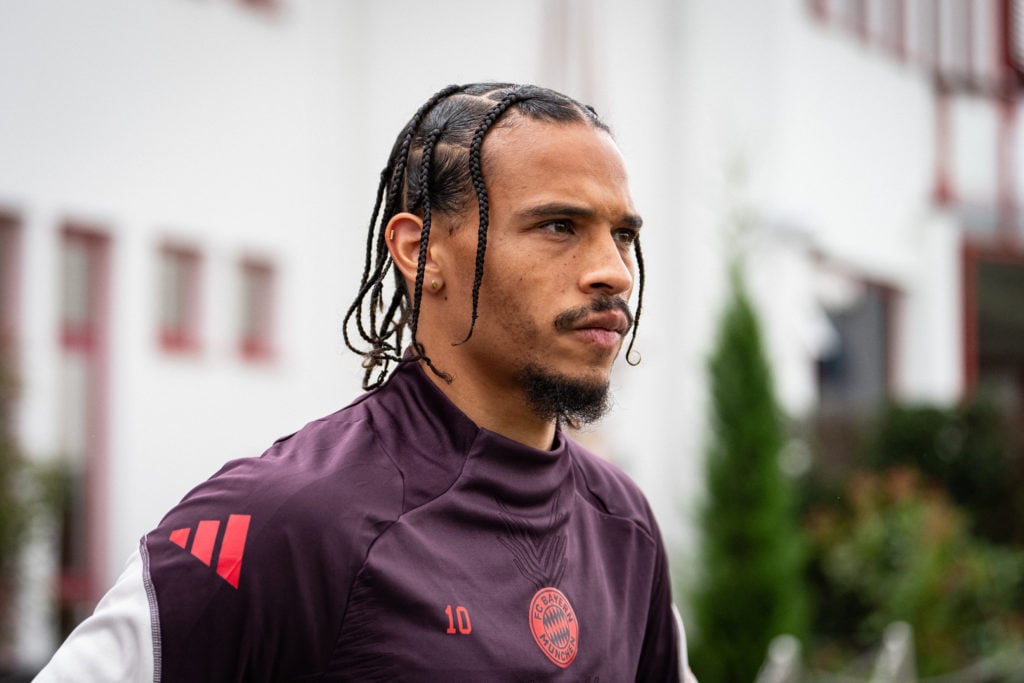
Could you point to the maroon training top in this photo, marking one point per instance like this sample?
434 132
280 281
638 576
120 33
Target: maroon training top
396 541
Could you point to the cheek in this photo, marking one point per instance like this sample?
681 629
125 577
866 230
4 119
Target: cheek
524 290
509 312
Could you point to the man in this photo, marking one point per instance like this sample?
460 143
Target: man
442 526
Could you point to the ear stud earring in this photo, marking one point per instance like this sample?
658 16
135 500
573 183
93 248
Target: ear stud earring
433 285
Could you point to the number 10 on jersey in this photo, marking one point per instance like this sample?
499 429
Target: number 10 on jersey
458 620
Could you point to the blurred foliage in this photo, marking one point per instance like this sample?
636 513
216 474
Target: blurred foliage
14 513
968 450
923 525
750 588
897 549
27 490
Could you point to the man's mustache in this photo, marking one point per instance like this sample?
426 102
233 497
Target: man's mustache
567 320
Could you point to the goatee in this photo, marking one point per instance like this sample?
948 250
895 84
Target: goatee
568 400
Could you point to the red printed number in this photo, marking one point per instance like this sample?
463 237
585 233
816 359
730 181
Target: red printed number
461 618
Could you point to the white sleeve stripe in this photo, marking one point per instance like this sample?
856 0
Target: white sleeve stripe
115 643
685 674
154 612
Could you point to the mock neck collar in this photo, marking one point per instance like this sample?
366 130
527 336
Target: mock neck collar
519 475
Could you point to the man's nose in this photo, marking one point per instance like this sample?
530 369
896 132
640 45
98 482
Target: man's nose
607 268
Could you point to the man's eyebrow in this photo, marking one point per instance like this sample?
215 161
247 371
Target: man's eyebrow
562 209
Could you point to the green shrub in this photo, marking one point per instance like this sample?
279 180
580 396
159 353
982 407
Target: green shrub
897 549
968 450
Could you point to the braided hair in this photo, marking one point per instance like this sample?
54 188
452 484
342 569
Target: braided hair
435 167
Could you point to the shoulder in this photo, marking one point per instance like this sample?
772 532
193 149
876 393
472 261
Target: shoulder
605 486
336 458
309 481
266 549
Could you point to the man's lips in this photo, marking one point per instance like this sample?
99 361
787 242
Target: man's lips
611 321
599 336
603 323
608 314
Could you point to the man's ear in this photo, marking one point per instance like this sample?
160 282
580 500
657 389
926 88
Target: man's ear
403 239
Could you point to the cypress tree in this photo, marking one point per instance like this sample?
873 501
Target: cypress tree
750 588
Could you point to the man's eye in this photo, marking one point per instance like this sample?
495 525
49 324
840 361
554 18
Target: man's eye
625 235
558 227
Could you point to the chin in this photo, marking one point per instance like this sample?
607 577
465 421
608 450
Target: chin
571 399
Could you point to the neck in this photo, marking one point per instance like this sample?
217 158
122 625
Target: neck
497 408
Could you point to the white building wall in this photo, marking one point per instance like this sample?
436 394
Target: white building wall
974 124
930 353
856 169
835 141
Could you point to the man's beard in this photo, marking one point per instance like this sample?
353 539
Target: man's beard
568 400
571 401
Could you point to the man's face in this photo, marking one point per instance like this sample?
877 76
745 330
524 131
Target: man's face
559 261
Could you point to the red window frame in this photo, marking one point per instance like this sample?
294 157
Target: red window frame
257 295
179 305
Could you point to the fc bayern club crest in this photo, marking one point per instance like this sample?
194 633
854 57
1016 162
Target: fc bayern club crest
554 626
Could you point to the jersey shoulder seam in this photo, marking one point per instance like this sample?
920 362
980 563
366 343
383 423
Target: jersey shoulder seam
602 509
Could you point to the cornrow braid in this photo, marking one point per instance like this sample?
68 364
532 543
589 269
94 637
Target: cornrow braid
476 173
435 166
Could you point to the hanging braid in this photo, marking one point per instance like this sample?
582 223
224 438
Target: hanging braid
639 304
435 166
421 261
382 353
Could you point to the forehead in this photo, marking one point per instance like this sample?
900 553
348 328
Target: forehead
533 161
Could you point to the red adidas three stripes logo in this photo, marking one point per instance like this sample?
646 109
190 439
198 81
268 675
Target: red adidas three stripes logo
232 546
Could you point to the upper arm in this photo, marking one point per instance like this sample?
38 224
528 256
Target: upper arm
116 642
264 599
660 657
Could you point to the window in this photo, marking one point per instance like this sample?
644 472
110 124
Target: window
256 300
923 33
83 273
994 325
179 289
955 33
854 373
854 14
9 276
891 21
82 423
